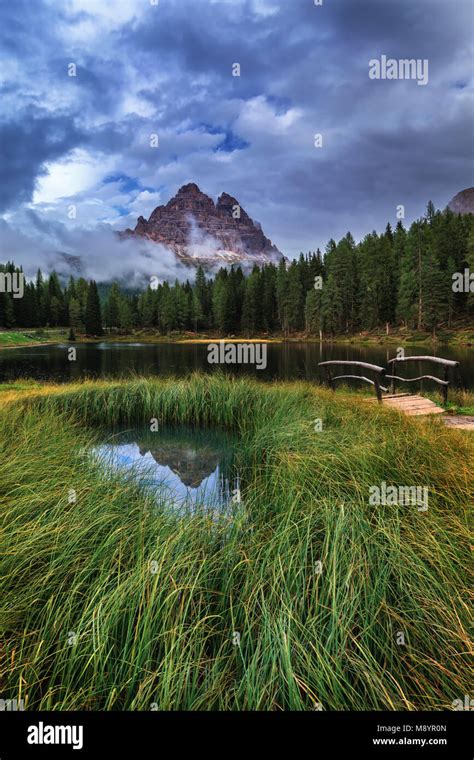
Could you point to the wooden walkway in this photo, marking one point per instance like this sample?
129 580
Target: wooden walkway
417 405
408 404
404 402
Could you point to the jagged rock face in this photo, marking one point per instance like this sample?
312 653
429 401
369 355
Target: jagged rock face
463 202
200 231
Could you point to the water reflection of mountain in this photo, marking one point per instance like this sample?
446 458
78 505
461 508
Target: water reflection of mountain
193 454
186 468
192 465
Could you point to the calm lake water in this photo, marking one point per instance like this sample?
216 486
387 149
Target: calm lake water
284 361
189 470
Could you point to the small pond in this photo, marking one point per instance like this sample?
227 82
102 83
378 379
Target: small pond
188 470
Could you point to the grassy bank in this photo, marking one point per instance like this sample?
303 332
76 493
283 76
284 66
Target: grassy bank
33 337
457 337
88 622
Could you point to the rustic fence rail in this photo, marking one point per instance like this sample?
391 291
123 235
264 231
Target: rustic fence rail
379 374
447 365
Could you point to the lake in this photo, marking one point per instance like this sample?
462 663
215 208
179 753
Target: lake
285 361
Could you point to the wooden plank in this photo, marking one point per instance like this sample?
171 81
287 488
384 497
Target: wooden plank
390 396
417 407
412 395
420 410
409 397
410 405
425 412
402 402
420 402
407 404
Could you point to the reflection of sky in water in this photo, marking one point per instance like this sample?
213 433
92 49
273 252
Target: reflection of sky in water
105 346
214 491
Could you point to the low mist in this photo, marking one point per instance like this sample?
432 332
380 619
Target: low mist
97 254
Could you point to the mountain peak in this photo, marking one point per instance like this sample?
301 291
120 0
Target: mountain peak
225 198
200 231
463 202
190 189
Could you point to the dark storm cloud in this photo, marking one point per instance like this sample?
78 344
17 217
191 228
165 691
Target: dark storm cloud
26 145
167 70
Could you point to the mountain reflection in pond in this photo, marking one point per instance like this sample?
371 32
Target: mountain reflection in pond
188 469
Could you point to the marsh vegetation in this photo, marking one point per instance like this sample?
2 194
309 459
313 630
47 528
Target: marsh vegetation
106 605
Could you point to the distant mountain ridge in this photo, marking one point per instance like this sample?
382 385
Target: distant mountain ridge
200 231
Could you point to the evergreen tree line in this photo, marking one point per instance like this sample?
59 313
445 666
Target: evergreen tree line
400 277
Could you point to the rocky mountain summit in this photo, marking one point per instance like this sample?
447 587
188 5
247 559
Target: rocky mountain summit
200 231
463 202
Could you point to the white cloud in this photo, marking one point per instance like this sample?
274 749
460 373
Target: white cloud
78 172
266 7
257 117
86 20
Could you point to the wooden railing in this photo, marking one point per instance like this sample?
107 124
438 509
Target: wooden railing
379 375
447 364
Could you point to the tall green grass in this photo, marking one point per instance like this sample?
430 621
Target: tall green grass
88 622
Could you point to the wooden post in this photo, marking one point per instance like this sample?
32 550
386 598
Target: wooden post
329 378
377 388
392 384
445 387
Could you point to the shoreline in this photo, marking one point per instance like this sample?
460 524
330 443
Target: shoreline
457 338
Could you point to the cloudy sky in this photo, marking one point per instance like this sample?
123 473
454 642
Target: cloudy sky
167 69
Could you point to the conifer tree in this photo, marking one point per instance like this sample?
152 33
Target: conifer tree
93 316
312 311
332 307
